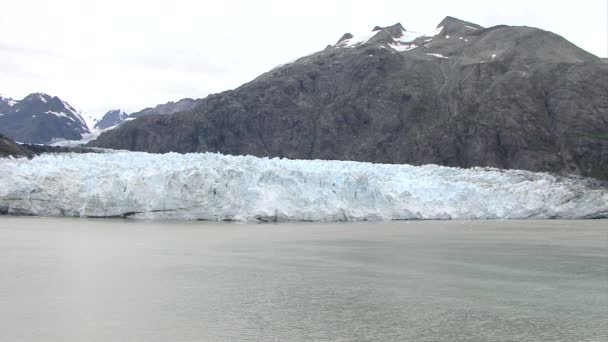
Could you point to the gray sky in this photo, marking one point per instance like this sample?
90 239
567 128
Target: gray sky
101 55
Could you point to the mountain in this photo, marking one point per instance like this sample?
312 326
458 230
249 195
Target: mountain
182 105
508 97
111 119
40 118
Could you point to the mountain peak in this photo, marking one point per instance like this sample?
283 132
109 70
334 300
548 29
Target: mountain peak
396 29
42 97
116 111
451 26
7 101
345 37
395 37
111 119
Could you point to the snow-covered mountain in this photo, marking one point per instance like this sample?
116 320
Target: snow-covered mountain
217 187
6 104
111 119
40 118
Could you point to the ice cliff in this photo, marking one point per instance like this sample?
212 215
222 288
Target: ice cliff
218 187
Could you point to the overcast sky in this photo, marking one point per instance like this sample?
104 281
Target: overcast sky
101 55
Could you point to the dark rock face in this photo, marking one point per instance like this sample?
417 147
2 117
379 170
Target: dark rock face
507 97
111 119
182 105
10 148
346 36
40 118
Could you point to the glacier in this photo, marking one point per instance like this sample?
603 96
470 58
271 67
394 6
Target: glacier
211 186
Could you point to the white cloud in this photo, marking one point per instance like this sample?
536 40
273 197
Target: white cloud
133 54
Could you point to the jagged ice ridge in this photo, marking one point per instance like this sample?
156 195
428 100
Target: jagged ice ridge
244 188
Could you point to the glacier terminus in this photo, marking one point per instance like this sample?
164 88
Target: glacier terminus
244 188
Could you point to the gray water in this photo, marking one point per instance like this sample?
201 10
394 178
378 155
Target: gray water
87 280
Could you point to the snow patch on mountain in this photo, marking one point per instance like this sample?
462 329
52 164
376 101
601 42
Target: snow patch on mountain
8 101
42 98
61 115
401 40
356 40
438 55
403 47
244 188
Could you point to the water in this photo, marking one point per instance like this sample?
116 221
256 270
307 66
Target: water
85 280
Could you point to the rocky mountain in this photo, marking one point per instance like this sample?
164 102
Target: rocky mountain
40 118
111 119
182 105
464 95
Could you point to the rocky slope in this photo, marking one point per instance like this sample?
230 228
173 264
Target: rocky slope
40 118
10 148
507 97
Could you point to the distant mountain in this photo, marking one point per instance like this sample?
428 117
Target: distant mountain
464 95
111 118
169 108
115 117
40 118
